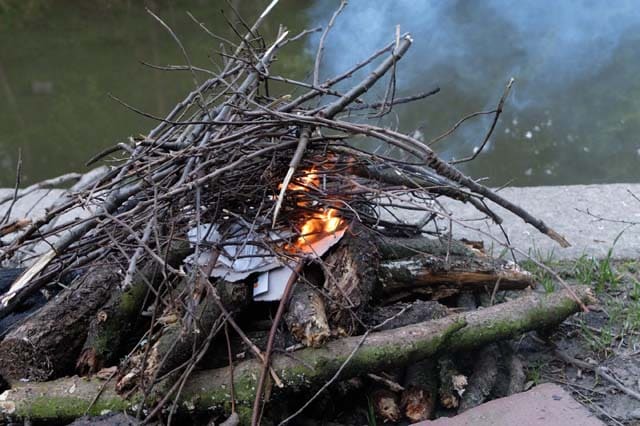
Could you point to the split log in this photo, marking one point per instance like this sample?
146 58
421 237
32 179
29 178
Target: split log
483 378
310 367
439 277
386 404
352 269
421 389
452 383
46 346
306 317
351 277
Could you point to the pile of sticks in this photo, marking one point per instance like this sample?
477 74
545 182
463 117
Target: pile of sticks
234 152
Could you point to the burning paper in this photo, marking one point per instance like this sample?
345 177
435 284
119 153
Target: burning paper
271 284
239 258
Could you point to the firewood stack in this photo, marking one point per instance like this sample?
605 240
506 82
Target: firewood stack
245 225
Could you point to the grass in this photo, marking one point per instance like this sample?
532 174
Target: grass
534 372
617 286
541 276
599 273
371 414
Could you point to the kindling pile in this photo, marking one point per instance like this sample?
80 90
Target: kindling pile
238 197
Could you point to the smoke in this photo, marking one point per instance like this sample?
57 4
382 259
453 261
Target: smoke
547 45
572 109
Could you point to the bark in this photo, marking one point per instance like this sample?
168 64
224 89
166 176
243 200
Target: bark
208 389
394 248
47 345
351 277
113 326
452 383
483 378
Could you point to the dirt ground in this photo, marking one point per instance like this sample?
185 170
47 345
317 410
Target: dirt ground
607 339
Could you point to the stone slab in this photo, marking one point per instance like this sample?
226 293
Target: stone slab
544 405
563 208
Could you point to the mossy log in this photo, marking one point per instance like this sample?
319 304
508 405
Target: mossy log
113 325
182 335
309 368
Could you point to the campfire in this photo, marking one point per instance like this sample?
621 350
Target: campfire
241 209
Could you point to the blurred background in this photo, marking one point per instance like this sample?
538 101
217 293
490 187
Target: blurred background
573 115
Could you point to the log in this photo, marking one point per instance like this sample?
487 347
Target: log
208 389
394 248
511 373
452 383
351 277
113 326
412 313
181 338
386 404
421 388
306 317
483 378
46 345
32 303
439 277
7 277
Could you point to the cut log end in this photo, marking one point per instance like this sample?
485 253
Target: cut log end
418 404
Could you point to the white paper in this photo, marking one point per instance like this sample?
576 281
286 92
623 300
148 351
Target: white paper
277 279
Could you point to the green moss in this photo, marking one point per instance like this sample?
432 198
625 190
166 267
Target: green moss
69 408
132 299
475 335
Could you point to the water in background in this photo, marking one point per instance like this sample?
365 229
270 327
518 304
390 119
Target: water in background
573 115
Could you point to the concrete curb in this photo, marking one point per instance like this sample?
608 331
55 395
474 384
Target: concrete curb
561 207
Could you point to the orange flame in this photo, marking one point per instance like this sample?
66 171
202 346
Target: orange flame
309 179
320 224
